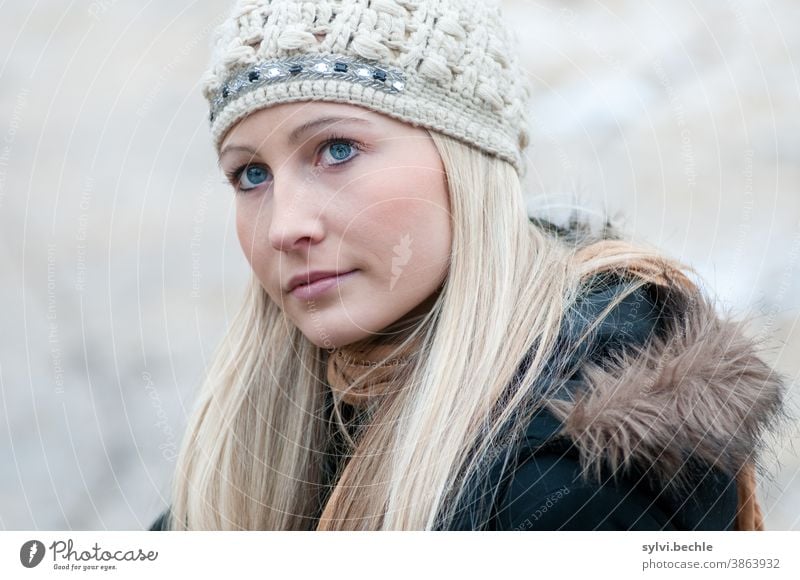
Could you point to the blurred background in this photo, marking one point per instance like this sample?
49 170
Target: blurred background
122 267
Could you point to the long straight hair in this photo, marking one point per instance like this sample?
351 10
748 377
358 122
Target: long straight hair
253 456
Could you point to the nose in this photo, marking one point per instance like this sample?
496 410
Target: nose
296 217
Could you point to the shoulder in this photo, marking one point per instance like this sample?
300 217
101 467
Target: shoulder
546 493
644 475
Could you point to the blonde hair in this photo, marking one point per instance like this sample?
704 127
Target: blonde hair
252 457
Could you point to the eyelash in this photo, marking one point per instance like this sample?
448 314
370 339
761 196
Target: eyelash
235 175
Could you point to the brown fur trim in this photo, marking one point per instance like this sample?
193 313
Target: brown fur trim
700 389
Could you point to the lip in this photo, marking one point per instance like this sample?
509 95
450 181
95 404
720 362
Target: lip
321 282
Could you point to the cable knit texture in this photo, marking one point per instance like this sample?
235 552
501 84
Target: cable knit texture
459 58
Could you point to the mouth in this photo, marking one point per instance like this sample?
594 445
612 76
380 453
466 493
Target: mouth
319 284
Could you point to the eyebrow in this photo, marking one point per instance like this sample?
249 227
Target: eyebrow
298 132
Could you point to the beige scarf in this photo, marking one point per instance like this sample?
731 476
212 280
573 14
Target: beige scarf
376 365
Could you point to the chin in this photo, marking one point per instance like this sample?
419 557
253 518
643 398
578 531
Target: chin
327 333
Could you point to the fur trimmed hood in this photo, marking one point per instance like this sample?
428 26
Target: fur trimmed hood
665 378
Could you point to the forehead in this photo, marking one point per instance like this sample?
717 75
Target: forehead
286 121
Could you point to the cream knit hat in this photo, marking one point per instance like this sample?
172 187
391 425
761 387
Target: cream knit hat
447 65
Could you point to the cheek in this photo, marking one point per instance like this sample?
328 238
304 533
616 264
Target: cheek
416 204
255 248
408 232
245 230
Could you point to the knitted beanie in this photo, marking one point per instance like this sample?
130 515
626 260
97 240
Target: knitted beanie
447 65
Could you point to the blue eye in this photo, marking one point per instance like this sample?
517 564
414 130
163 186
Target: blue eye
340 149
251 177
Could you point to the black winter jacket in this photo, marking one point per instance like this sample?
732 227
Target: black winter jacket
668 403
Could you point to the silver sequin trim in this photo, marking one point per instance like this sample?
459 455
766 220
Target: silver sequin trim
313 66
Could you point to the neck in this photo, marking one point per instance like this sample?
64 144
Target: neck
380 363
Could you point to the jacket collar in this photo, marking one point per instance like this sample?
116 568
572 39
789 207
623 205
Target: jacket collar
662 377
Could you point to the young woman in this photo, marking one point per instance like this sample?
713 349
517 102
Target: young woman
415 352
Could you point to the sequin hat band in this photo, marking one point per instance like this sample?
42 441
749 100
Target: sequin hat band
316 66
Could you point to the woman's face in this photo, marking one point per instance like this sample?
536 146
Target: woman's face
338 188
